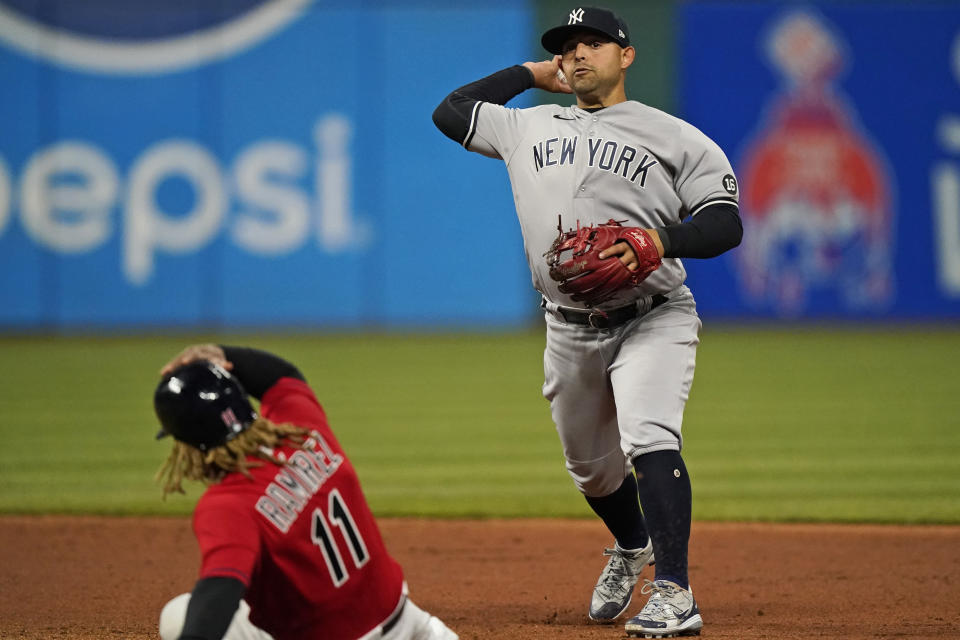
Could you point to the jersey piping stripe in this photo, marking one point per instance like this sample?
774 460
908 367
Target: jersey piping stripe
228 572
710 202
472 129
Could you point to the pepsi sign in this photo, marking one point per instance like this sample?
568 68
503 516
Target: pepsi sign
251 163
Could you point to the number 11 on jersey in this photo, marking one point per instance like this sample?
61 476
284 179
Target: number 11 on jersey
339 515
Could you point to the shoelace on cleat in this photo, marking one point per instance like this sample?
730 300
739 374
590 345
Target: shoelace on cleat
612 582
657 606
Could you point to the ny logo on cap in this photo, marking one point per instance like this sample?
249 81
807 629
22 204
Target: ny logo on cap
576 16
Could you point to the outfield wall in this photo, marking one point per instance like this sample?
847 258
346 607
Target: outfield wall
272 163
251 163
843 125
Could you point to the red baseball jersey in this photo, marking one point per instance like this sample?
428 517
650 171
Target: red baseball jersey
300 536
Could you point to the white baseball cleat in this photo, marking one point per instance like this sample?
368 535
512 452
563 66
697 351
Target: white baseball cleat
670 611
614 589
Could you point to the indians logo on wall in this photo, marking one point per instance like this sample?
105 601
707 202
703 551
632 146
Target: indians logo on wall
816 202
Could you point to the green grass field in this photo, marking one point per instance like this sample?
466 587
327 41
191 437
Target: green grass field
788 425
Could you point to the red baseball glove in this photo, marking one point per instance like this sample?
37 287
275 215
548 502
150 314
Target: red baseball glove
587 278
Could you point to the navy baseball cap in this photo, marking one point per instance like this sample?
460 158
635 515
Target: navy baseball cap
595 19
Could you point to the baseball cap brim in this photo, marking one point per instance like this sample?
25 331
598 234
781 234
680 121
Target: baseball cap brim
553 39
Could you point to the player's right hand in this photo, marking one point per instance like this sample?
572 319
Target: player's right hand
195 352
548 76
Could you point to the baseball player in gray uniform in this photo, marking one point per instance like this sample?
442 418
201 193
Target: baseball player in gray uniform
618 374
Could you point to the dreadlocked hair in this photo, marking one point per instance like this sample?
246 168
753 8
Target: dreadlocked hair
258 440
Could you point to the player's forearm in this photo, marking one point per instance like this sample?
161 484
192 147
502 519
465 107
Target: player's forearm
714 230
453 115
258 370
212 605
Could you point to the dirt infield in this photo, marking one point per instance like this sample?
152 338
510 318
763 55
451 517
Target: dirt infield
84 577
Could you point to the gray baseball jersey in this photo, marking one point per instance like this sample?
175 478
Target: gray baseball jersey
628 161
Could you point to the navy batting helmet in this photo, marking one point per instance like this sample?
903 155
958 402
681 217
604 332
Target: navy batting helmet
202 405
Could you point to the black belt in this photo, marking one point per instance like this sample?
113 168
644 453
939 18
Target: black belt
607 319
394 618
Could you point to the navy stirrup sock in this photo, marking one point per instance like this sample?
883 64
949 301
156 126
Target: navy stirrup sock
620 511
664 489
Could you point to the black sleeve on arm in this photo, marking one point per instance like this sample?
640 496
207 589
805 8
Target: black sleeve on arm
212 605
258 370
454 115
716 228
